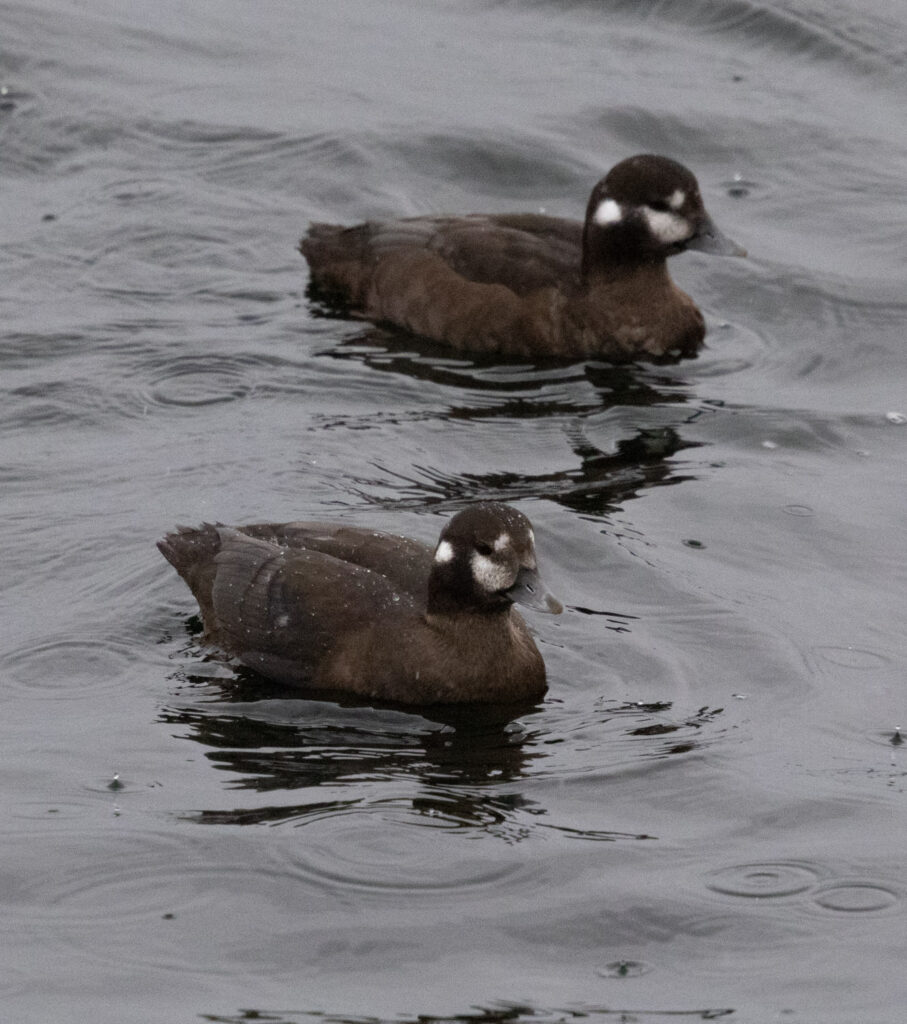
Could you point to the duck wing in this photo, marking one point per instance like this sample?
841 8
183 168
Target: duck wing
405 562
523 252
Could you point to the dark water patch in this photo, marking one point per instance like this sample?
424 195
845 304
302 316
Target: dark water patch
458 762
22 351
613 737
385 350
598 483
544 388
290 743
498 1013
592 835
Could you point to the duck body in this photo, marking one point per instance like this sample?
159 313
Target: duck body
529 284
327 607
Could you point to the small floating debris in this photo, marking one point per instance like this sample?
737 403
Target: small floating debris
898 418
115 783
897 739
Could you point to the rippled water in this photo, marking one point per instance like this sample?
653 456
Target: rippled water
704 819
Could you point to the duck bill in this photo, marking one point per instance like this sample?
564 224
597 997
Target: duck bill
530 592
709 238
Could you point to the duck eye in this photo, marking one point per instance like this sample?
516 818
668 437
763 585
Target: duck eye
483 548
659 206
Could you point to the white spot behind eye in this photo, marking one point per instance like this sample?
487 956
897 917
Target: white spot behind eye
445 552
677 199
490 575
502 542
668 228
607 212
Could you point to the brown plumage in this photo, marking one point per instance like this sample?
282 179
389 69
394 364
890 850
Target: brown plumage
331 607
528 284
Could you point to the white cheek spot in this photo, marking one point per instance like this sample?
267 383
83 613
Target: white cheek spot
502 542
607 212
490 575
668 228
677 199
444 553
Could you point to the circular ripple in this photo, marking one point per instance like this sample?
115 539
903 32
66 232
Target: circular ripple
856 897
68 665
124 880
144 898
372 848
45 810
199 381
859 658
764 881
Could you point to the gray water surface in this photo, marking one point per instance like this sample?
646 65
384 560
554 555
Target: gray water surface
705 818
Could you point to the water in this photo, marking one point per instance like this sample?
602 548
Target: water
704 819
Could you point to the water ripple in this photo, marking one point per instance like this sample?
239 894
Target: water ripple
764 881
858 897
198 381
365 848
779 880
69 665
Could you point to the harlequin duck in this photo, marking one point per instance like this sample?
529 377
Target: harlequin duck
528 284
333 607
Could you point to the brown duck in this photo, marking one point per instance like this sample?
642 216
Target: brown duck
528 284
333 607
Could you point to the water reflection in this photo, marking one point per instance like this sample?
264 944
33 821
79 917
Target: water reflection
388 351
601 482
462 768
561 398
504 1013
285 743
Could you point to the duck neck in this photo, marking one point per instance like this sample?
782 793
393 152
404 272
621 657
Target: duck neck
617 252
646 273
447 601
